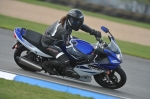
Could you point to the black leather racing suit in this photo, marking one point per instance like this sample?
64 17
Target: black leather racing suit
57 32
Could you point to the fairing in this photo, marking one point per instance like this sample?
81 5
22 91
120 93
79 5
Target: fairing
112 51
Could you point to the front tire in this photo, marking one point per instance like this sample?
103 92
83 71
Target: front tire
115 81
18 54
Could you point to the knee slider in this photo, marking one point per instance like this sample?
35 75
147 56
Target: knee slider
65 63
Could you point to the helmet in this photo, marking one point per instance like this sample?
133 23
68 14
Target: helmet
75 19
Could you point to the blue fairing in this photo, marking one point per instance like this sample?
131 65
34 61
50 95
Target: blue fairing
113 60
83 46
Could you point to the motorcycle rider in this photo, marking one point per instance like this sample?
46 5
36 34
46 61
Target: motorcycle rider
61 30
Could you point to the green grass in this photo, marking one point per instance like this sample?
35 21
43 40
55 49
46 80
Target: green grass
11 23
16 90
126 47
115 19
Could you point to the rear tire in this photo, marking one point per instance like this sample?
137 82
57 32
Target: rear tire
101 79
18 54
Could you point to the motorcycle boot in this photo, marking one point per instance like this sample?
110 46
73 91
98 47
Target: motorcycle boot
47 66
68 71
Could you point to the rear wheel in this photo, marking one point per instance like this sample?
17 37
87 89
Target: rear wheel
116 79
18 53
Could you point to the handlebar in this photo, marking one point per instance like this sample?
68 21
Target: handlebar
101 41
98 39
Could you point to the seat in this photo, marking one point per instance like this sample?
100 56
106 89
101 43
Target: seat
35 39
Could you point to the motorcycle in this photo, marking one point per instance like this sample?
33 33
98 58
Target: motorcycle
105 66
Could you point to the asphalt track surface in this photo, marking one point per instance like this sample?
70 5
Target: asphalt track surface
137 71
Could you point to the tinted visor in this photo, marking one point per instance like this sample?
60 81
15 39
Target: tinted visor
75 22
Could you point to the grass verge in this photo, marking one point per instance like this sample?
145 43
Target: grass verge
17 90
126 47
115 19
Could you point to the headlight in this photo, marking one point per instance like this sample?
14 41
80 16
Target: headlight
119 56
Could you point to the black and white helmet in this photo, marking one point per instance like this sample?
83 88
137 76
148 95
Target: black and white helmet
75 19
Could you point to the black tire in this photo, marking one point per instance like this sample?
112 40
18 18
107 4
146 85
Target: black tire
99 78
18 54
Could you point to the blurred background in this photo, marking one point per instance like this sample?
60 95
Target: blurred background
137 6
138 10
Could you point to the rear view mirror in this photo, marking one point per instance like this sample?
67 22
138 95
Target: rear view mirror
104 29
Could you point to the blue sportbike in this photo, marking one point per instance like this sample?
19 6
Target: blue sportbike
104 66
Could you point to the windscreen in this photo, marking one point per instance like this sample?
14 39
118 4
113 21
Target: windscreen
113 47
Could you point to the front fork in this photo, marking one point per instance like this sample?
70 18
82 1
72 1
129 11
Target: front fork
108 74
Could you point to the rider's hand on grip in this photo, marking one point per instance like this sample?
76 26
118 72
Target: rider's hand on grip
96 33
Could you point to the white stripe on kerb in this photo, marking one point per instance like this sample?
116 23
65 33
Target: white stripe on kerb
7 76
58 55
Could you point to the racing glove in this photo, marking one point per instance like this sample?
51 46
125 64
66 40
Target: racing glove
96 33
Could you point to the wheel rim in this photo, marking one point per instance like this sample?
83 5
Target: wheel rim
114 81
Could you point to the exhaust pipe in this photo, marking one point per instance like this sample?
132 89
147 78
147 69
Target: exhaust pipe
29 64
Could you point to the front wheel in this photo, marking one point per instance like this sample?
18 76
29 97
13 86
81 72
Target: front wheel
116 79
